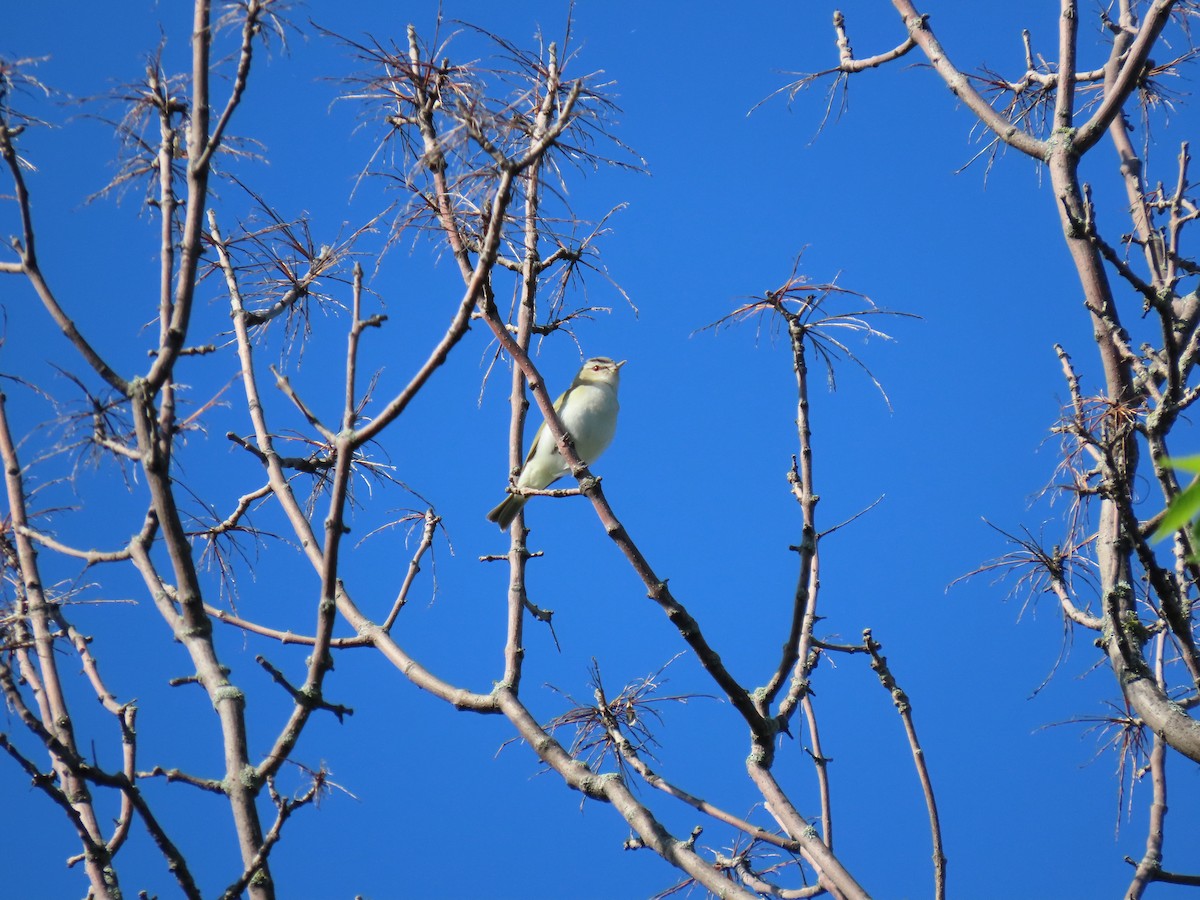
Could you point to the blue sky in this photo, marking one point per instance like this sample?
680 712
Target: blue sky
697 471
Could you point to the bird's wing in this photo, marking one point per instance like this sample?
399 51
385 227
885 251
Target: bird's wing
537 436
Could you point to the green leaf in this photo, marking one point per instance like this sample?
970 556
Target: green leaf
1182 510
1182 463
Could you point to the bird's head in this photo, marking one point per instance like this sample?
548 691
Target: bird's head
600 370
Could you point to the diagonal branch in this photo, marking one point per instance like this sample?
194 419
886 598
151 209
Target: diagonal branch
26 248
1118 89
961 87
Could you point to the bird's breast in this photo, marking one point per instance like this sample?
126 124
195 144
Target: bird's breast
591 418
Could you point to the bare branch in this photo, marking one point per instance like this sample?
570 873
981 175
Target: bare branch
920 32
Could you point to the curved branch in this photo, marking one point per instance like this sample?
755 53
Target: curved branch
960 85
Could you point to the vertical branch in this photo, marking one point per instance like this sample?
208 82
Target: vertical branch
426 79
129 768
1064 98
309 697
167 201
1175 225
125 714
357 324
900 699
201 146
1151 862
1113 542
198 168
251 25
821 764
531 269
55 716
154 429
795 648
193 629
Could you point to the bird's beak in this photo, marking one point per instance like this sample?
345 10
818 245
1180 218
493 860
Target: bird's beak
621 363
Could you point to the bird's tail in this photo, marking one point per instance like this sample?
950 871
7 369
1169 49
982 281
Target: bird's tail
503 514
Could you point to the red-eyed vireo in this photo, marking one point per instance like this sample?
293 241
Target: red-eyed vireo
588 410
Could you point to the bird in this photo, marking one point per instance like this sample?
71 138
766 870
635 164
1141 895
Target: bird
588 410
